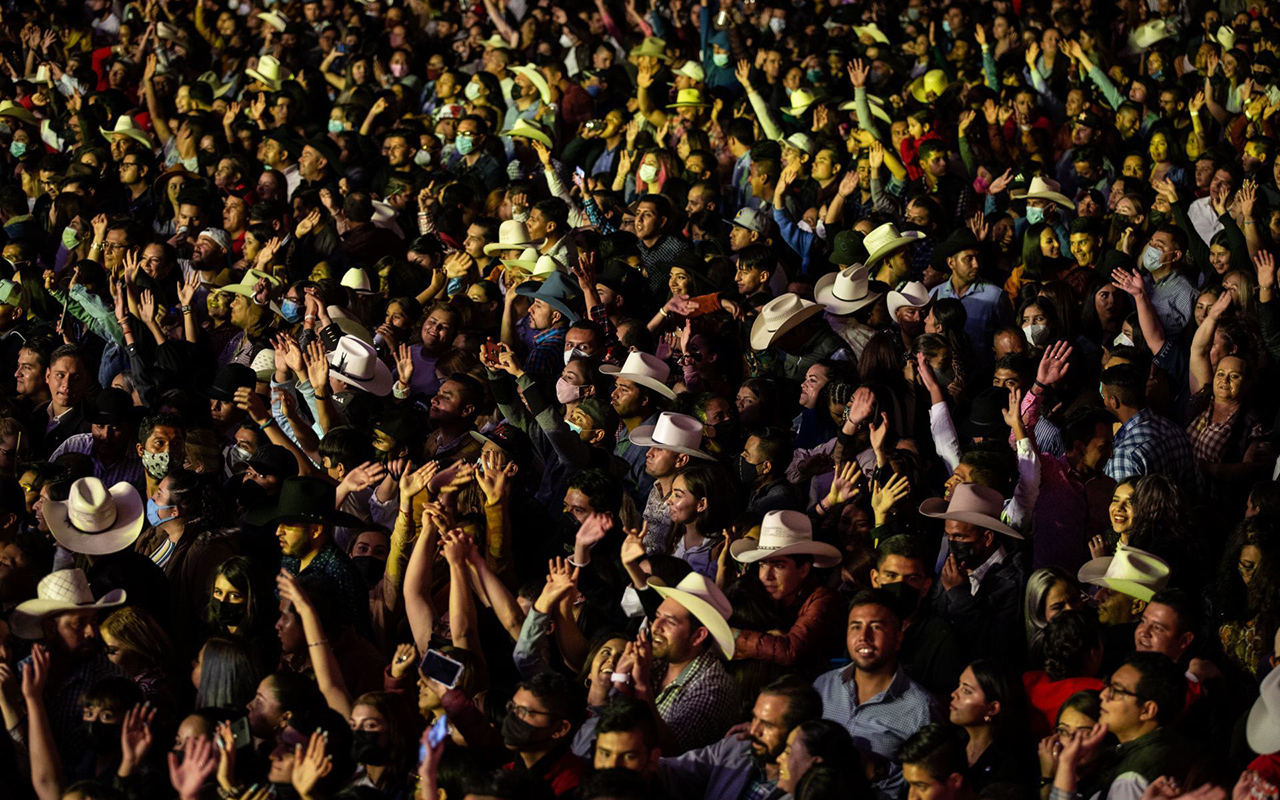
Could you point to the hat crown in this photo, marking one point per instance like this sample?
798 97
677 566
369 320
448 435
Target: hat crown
513 232
912 294
646 366
677 430
90 507
784 528
697 585
880 237
780 309
689 96
851 283
65 586
1138 566
356 278
973 498
354 358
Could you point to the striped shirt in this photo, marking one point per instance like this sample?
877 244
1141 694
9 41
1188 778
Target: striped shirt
127 470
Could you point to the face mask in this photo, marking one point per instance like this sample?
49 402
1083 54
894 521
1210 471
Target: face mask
906 597
980 185
227 614
946 26
565 41
1036 334
566 392
335 126
156 464
520 735
104 739
1035 215
422 158
1152 259
1122 340
593 90
965 555
153 513
366 750
1159 218
1158 75
18 149
570 354
291 311
472 92
464 144
747 472
777 25
648 173
814 75
720 59
577 429
70 238
944 375
371 568
238 455
913 14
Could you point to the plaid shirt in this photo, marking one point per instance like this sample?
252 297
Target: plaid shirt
658 259
546 357
700 704
1149 444
1208 438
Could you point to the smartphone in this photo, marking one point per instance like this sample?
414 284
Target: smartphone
592 124
490 351
706 303
439 730
439 667
342 48
240 730
580 173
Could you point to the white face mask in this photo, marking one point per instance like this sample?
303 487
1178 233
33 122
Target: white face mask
569 354
565 41
1122 340
422 158
1037 335
631 605
472 91
648 173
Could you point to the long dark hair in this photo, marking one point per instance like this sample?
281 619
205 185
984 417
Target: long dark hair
1260 598
400 737
229 673
1001 684
710 482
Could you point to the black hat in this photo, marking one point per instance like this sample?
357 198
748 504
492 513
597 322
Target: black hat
847 249
112 406
509 439
272 460
230 378
309 501
961 239
986 417
324 145
290 144
622 278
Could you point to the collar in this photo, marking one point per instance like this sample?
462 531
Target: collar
896 687
547 764
1134 421
976 576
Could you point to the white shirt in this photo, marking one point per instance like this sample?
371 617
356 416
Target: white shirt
1204 219
976 576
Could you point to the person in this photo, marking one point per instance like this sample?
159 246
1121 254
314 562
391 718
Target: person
112 425
990 704
1128 580
933 764
63 415
1072 648
817 744
873 698
1140 705
1146 442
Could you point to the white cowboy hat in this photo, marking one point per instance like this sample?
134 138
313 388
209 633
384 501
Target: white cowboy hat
219 88
679 433
688 98
125 126
912 294
495 42
528 260
972 503
169 32
95 520
785 533
529 130
704 600
929 86
872 30
270 72
512 235
1130 571
778 316
1154 31
248 281
693 71
264 364
356 363
349 326
1263 726
876 104
1043 189
544 267
1226 36
649 371
358 280
535 77
384 216
63 590
801 99
846 291
800 142
885 239
274 19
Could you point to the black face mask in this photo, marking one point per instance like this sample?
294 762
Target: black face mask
966 554
726 434
104 738
945 376
747 472
906 598
520 735
371 568
228 614
366 750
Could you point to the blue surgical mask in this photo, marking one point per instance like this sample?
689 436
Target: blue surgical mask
1035 215
153 513
577 429
464 144
593 89
720 59
17 148
814 75
1152 259
291 311
335 126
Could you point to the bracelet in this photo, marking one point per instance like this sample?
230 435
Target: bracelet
186 309
320 643
309 317
264 425
1041 385
664 312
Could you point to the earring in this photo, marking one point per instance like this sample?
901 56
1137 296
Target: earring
987 718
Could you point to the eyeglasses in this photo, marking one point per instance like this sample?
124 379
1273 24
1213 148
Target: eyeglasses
1116 690
524 712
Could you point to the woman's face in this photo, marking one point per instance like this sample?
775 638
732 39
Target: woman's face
397 317
1105 303
1033 315
251 247
1121 510
1230 65
265 711
1203 303
1234 283
969 704
794 762
1050 247
575 374
1061 596
196 668
1220 258
1070 722
368 718
748 407
931 323
1247 564
678 282
282 756
114 649
605 660
1229 380
359 70
683 504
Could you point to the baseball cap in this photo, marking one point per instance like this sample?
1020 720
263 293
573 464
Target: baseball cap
752 220
218 236
12 294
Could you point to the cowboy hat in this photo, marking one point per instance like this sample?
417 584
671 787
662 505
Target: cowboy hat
778 316
495 42
846 291
264 365
785 533
1263 726
308 501
10 109
356 363
651 46
876 104
57 592
1130 571
512 235
1225 36
908 295
274 19
986 415
649 371
95 520
357 280
972 503
929 86
384 216
961 239
799 142
528 260
688 98
248 281
231 378
270 72
112 406
171 33
529 130
219 88
886 239
1154 31
536 78
692 70
1043 189
544 267
557 292
801 100
872 31
847 248
125 126
349 326
704 600
679 433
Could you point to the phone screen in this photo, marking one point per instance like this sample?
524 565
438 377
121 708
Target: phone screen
240 730
439 730
439 667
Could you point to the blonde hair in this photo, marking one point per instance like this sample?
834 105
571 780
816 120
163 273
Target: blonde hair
138 631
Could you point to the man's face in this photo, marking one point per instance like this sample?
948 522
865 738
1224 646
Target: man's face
109 439
29 377
873 638
1084 248
311 163
900 569
1160 631
814 380
964 265
580 339
624 750
190 217
648 223
542 316
626 398
1222 182
297 540
1114 608
659 462
166 439
67 381
740 237
748 279
207 254
447 405
675 632
768 729
475 242
74 633
399 151
1170 105
923 786
698 197
1122 709
244 313
782 576
825 165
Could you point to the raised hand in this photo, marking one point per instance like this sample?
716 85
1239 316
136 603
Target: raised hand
743 74
494 478
413 481
1266 266
135 737
633 551
1001 183
966 119
308 223
36 674
317 367
978 224
1054 364
225 741
849 183
845 484
1129 282
404 659
595 528
311 765
884 498
187 289
251 402
1220 306
197 764
875 155
291 590
879 432
456 546
858 72
860 406
370 473
404 364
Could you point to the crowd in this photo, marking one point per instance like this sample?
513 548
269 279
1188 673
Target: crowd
733 400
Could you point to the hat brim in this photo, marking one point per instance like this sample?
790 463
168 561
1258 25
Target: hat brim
1262 729
535 77
498 247
263 517
535 292
936 508
824 293
824 555
122 533
907 237
379 384
25 619
704 612
762 338
134 134
643 436
274 83
1057 197
1126 587
21 115
643 380
899 300
529 133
